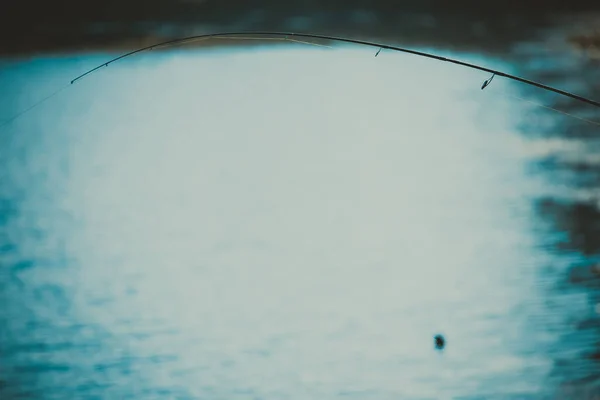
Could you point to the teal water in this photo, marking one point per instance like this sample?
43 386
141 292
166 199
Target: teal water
277 223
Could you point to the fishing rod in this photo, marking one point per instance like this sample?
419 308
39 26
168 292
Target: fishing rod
291 35
294 37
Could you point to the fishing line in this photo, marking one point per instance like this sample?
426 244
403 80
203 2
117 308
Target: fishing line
589 121
284 39
157 46
34 105
292 37
487 82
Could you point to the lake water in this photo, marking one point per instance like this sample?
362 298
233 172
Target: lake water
277 223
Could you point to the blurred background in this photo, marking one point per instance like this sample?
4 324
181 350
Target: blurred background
249 219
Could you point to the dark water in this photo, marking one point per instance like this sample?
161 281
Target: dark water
287 223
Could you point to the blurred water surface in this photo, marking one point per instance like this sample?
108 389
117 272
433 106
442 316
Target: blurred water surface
271 223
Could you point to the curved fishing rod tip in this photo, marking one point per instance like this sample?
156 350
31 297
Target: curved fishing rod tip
361 42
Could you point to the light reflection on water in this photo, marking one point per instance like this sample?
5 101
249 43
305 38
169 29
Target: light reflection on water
277 223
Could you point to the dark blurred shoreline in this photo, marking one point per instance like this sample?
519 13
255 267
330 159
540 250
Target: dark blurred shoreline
66 26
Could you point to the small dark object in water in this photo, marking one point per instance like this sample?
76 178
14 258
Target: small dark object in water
440 342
